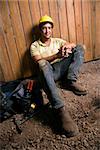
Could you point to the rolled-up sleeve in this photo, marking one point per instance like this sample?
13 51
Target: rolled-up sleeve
34 50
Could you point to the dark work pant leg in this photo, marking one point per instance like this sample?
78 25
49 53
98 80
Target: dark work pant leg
48 84
76 62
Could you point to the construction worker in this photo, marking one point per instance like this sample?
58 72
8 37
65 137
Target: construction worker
55 58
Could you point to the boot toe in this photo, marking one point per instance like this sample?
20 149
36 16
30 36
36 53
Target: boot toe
68 126
77 89
70 130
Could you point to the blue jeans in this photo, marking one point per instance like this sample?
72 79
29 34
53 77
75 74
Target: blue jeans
51 73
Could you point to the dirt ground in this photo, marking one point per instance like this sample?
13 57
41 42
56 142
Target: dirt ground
39 133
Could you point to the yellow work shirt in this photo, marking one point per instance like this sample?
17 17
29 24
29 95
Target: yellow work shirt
39 48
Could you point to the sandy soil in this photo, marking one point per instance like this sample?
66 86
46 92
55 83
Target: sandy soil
39 133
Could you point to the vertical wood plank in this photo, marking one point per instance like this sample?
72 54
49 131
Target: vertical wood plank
26 20
93 26
71 20
1 74
9 39
27 27
87 29
6 72
78 20
63 20
4 65
18 31
35 11
97 44
17 27
44 7
90 32
54 15
35 15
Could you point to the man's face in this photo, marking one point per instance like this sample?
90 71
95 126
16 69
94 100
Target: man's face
46 30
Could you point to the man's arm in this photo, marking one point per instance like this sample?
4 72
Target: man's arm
50 58
64 51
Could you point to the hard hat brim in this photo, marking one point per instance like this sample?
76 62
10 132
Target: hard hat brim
43 23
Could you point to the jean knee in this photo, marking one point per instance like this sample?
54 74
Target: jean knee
43 64
80 49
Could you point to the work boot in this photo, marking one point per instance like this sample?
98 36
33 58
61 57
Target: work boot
68 126
76 88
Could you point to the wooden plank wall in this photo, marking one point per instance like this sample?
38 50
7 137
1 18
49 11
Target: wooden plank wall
74 20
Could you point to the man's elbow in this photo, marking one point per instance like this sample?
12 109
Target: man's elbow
36 58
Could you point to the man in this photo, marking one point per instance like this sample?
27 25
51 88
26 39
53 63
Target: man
55 58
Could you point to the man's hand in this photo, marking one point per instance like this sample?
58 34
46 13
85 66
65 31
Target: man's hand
67 49
60 54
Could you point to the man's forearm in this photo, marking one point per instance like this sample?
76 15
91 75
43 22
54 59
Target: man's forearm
51 58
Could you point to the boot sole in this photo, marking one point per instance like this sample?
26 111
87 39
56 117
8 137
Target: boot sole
79 93
69 134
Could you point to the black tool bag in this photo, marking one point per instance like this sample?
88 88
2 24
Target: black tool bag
20 98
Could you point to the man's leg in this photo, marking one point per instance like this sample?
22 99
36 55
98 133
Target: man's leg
60 68
76 62
73 70
71 66
48 83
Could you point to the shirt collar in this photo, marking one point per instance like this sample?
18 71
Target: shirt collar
43 44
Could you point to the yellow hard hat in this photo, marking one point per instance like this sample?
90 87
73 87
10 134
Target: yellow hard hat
45 18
